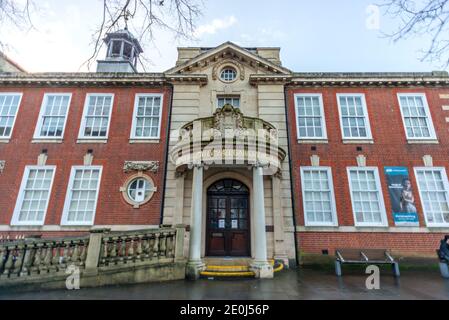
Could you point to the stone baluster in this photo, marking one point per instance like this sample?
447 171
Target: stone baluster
122 249
27 260
104 251
37 258
170 245
9 264
139 248
113 253
83 254
147 247
55 261
46 262
3 256
75 258
151 243
131 249
156 245
65 255
163 244
20 252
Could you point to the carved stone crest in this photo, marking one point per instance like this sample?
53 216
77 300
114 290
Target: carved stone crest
130 166
228 117
2 165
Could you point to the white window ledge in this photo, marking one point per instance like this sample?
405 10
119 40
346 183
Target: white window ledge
3 140
144 140
424 141
92 141
358 141
312 141
38 140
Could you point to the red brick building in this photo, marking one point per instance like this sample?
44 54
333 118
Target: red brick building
352 128
117 157
363 156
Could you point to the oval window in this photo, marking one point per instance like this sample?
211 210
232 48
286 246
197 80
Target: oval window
228 74
139 190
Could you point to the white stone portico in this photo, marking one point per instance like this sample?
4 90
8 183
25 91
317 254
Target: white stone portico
255 159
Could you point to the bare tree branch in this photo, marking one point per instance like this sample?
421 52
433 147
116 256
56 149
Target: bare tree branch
145 18
422 18
176 16
16 14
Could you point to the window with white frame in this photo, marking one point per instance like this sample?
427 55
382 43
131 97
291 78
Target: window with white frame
232 100
147 116
96 116
433 189
310 121
82 195
53 116
34 195
9 105
354 118
366 195
416 116
318 196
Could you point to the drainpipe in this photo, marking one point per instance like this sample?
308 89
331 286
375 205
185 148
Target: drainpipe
167 135
292 185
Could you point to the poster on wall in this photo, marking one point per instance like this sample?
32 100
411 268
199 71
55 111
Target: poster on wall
402 197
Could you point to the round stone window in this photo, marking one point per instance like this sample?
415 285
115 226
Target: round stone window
228 74
138 190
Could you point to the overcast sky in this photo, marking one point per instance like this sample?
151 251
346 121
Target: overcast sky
322 35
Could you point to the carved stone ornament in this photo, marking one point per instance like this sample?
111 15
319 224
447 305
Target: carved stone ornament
130 166
2 165
227 118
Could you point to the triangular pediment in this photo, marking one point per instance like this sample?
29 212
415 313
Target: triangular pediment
227 51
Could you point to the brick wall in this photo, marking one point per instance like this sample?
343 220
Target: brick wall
390 148
111 207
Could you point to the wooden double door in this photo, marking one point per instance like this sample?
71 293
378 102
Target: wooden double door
228 232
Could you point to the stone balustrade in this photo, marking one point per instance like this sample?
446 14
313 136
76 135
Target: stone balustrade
103 257
33 257
138 246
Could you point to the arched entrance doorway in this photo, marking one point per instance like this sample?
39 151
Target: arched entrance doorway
227 230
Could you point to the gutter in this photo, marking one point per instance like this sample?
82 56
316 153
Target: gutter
291 176
167 134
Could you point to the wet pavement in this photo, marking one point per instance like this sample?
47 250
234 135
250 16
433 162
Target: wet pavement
289 284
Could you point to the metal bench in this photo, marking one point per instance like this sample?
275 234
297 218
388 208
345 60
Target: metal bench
365 257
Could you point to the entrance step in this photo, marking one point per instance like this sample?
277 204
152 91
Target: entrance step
227 268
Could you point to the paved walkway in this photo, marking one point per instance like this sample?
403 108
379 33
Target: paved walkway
289 284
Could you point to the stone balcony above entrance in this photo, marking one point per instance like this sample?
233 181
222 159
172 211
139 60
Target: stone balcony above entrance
227 138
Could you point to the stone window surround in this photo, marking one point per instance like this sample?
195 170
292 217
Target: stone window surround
126 184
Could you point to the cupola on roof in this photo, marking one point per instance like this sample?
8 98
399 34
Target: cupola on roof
123 50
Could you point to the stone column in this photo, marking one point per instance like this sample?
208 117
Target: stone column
195 264
260 263
278 221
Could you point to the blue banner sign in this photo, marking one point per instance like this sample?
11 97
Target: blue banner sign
401 197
